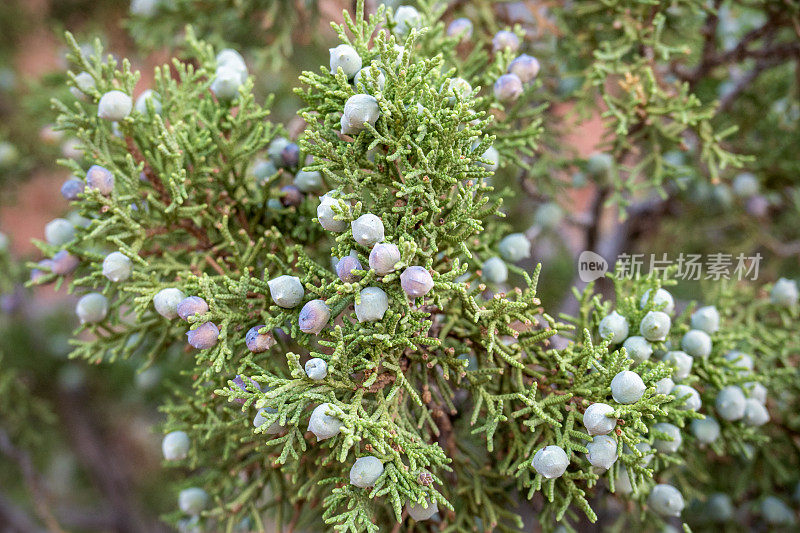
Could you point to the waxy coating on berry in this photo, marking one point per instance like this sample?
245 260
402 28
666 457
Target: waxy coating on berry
258 342
666 500
100 179
416 281
327 216
308 180
637 348
175 446
286 291
366 471
551 462
368 230
383 257
373 305
406 18
662 300
514 247
706 319
602 451
596 419
367 75
508 88
346 58
314 316
613 327
784 293
117 267
166 302
494 270
461 28
706 430
687 398
193 500
92 308
64 262
114 105
72 189
359 110
345 267
323 425
192 306
316 368
59 231
696 343
505 40
204 336
682 363
655 326
421 512
755 413
627 387
525 67
671 442
730 403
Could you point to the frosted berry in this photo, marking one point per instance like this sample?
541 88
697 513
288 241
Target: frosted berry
755 413
666 500
175 445
514 247
229 57
59 231
192 306
166 302
258 342
622 485
784 293
148 96
261 418
291 196
100 179
664 385
316 368
204 336
494 270
92 308
72 188
373 305
193 500
745 185
226 83
691 398
323 425
461 28
672 442
706 430
756 391
406 18
525 67
662 300
548 216
366 471
84 84
776 513
637 348
730 403
596 419
493 156
459 88
327 216
602 452
314 316
681 362
613 327
367 230
117 267
308 181
696 343
645 452
383 257
706 319
627 387
719 508
421 512
655 326
740 360
416 281
286 291
505 40
599 165
345 57
551 462
359 110
345 267
507 88
44 267
365 77
114 105
63 263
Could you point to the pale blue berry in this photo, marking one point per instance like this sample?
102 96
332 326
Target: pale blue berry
662 300
144 8
622 485
644 452
691 398
322 424
261 418
92 308
421 512
204 336
706 319
117 267
308 180
192 306
286 291
406 18
655 326
613 327
525 67
602 452
345 57
193 500
327 216
745 185
756 391
367 230
755 413
776 513
551 462
359 110
114 105
84 85
548 216
175 446
314 316
64 262
367 75
258 342
784 293
514 247
148 96
100 179
494 270
597 419
166 302
226 83
366 471
696 343
459 88
72 189
637 348
740 360
345 267
373 305
681 362
730 403
461 28
316 368
383 257
627 387
230 58
671 442
719 508
505 40
706 430
59 231
416 281
666 500
507 88
599 165
493 157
